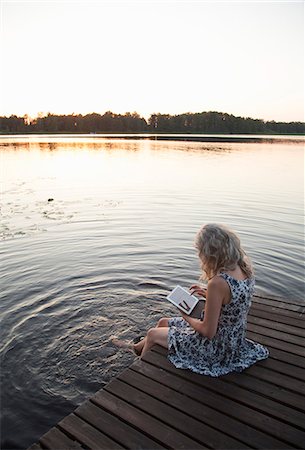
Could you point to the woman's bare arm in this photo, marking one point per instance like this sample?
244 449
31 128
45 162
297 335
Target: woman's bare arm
215 295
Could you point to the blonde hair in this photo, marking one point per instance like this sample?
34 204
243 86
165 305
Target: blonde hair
220 250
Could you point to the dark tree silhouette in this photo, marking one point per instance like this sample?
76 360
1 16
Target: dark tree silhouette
204 122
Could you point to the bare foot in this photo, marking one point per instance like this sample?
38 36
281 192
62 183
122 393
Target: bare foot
124 344
120 343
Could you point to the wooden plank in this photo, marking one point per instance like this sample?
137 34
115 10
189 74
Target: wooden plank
168 388
228 416
188 427
154 398
278 354
211 435
280 305
156 429
278 311
277 393
235 408
261 296
282 367
109 424
277 318
262 337
253 398
86 434
56 439
277 379
35 447
298 342
269 323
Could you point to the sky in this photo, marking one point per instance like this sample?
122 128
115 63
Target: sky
244 58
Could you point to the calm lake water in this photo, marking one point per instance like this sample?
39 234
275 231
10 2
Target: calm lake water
98 260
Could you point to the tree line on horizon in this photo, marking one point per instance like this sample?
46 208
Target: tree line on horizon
204 122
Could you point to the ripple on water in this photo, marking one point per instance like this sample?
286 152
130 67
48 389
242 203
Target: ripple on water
64 349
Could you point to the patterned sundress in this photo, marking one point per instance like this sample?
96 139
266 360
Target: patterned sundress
229 350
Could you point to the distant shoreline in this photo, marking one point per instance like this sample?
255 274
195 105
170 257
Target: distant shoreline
142 133
206 122
191 137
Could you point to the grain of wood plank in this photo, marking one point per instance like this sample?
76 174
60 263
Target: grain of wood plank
173 406
284 368
260 296
278 311
245 414
288 329
35 447
254 400
298 343
294 350
156 429
299 307
170 416
56 439
279 354
161 386
86 434
277 393
108 424
278 379
207 413
277 318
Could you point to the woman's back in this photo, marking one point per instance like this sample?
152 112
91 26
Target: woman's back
233 315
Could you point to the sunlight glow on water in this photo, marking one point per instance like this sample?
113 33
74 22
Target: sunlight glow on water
98 259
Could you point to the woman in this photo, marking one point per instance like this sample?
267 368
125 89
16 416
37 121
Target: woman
216 344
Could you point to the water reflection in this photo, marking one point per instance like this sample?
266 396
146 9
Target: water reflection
240 184
107 144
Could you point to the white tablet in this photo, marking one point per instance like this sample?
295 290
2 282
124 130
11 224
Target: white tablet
181 298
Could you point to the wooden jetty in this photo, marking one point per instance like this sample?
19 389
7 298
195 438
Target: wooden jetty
153 405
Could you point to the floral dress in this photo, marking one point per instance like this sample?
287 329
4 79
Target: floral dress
228 350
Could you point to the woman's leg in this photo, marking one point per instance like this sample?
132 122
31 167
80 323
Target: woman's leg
163 322
140 345
155 336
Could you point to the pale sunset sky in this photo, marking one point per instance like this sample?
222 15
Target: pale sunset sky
245 58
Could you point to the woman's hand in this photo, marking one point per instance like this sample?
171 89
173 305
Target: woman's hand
184 316
198 290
